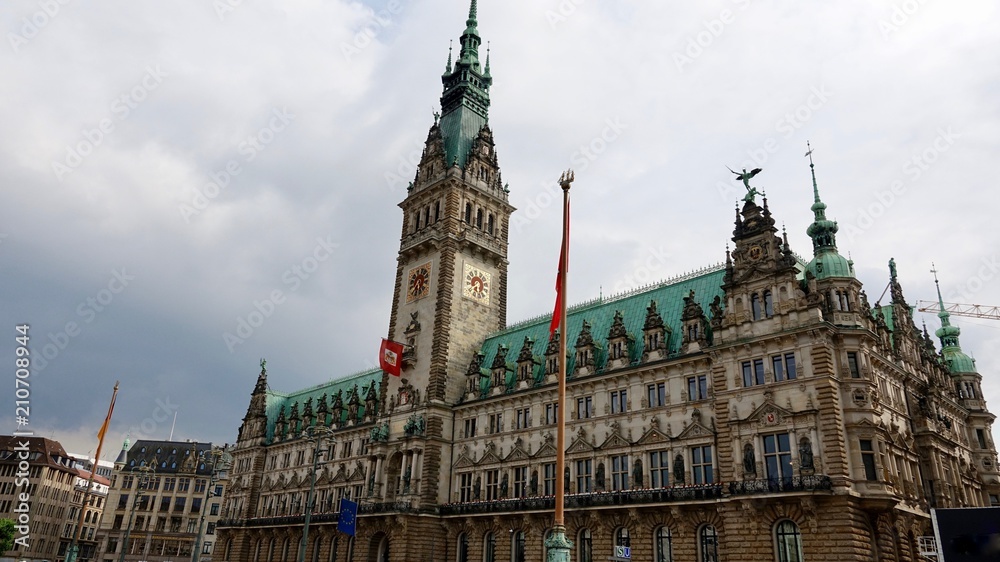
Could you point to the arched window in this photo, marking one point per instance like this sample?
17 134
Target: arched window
708 544
316 544
788 541
622 537
256 552
284 550
417 221
662 551
350 549
845 301
517 547
755 306
489 224
768 304
479 219
333 549
463 548
489 548
229 549
437 211
585 546
427 216
545 543
270 551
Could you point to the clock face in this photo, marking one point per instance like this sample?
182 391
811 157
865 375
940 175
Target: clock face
476 284
756 252
418 282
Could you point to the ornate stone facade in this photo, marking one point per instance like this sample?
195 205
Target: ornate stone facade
760 409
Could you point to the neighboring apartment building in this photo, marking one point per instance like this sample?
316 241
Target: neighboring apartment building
50 483
96 500
162 493
761 409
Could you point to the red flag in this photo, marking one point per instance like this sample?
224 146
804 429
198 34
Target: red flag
390 357
107 420
563 268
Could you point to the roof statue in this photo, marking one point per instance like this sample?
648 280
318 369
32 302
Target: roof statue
745 178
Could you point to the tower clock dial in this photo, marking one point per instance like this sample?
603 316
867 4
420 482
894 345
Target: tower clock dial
756 252
476 284
418 282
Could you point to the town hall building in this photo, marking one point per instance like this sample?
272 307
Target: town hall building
761 409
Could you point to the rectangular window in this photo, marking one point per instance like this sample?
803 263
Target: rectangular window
347 449
470 427
199 485
524 418
127 482
619 401
758 371
492 484
994 500
868 460
659 469
496 423
195 505
465 487
698 387
214 510
179 504
657 394
165 503
981 437
701 464
584 407
784 367
520 481
852 364
551 413
549 479
183 484
778 457
619 472
583 476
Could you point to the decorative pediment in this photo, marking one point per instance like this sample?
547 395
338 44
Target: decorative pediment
546 450
268 485
293 482
359 472
696 429
653 436
341 475
464 462
769 414
615 441
517 454
324 477
580 445
490 456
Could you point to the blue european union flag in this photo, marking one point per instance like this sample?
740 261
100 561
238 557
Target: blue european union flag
348 516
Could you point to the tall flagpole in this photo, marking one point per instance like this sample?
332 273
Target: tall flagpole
558 545
72 551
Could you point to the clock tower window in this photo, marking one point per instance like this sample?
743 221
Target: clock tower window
489 224
479 219
468 212
755 306
437 211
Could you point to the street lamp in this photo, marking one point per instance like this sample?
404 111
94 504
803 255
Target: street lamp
146 472
220 460
315 435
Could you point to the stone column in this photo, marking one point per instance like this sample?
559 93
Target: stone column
414 471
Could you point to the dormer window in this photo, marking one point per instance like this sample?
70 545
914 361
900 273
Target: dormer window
618 349
582 357
692 332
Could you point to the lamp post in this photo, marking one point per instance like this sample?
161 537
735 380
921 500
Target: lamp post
314 435
146 472
220 460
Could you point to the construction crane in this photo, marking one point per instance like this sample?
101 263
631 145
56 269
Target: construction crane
970 310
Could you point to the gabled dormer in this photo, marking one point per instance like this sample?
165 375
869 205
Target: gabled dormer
619 344
655 334
526 363
586 352
695 328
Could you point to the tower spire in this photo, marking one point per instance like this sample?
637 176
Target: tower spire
952 352
465 101
827 262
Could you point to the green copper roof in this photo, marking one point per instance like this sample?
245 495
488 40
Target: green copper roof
277 400
599 313
952 352
465 101
827 262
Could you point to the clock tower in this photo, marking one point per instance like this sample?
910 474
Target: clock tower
451 276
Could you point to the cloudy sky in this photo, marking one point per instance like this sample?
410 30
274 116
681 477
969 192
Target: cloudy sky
167 166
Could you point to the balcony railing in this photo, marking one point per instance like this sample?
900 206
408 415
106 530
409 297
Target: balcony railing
779 485
595 499
332 516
